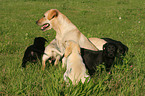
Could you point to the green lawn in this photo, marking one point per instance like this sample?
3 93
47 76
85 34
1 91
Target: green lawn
122 20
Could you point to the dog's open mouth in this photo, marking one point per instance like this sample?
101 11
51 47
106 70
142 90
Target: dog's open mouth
45 26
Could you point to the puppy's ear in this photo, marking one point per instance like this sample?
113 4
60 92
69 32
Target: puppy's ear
68 51
53 13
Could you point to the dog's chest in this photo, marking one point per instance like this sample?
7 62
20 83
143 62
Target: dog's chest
60 45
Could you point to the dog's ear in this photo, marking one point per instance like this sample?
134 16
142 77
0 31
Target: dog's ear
68 51
53 13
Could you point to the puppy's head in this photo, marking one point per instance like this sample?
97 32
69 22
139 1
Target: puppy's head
45 21
40 41
109 50
71 46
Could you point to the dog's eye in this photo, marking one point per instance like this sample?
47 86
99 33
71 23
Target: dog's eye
43 15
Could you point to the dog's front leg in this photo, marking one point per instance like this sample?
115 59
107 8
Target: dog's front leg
63 62
44 58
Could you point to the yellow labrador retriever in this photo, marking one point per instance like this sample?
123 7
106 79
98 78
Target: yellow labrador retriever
65 29
76 69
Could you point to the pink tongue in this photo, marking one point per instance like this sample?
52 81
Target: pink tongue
41 27
44 26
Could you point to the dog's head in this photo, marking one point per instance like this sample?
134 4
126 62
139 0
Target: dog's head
39 41
71 46
45 21
109 50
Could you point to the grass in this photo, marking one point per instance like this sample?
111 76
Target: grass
94 18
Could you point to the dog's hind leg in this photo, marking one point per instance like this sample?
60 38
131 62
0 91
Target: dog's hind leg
24 64
24 61
57 60
44 58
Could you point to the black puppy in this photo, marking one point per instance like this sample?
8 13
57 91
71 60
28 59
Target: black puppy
35 51
122 49
94 58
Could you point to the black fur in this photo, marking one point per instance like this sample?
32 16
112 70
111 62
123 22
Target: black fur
35 51
94 58
122 49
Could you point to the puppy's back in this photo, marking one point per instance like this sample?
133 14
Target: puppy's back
77 69
91 59
29 55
